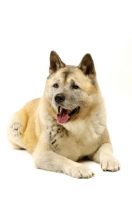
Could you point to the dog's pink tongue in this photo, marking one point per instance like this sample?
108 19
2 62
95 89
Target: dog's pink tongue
62 117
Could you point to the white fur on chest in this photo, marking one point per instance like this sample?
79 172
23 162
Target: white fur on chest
91 127
82 136
87 133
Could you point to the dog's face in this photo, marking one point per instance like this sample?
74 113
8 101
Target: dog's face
71 91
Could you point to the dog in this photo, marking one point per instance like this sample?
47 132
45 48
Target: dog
67 123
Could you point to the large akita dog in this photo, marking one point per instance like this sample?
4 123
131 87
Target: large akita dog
67 123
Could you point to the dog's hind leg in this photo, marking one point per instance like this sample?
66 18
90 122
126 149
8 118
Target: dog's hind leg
16 128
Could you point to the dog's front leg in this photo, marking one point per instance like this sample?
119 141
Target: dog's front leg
104 156
46 158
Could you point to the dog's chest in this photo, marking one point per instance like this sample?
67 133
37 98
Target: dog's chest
83 142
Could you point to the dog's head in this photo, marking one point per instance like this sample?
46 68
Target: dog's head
71 92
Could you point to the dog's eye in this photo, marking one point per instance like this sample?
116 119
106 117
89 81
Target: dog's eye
56 85
75 87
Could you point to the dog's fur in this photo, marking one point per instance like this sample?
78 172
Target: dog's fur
57 138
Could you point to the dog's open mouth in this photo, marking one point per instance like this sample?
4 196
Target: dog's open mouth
65 115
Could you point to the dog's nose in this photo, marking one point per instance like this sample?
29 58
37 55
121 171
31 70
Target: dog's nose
59 98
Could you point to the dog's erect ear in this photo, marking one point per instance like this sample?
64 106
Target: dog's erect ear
87 66
55 62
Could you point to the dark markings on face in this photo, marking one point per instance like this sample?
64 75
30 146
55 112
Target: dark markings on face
67 72
72 82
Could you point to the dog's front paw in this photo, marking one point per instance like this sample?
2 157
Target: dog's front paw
109 163
80 171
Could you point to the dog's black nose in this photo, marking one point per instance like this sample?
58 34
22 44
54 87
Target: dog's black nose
59 98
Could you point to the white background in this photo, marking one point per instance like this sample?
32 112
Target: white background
29 30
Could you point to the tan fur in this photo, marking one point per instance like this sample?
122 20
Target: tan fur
56 146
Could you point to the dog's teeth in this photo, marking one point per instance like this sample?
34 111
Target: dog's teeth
61 109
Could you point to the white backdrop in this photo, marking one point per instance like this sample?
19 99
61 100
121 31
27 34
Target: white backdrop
29 30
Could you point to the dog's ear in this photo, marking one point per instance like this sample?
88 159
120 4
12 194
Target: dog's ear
55 62
87 66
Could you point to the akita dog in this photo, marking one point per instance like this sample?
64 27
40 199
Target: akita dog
67 123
